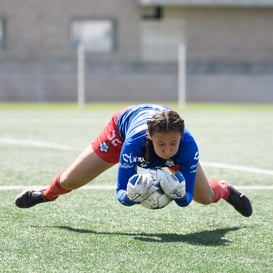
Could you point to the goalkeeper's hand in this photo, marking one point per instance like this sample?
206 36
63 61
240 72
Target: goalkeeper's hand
174 185
138 187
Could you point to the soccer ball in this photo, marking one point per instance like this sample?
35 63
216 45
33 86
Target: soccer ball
157 198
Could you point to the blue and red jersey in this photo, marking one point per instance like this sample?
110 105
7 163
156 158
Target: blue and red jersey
131 125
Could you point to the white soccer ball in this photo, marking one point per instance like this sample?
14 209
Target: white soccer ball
157 199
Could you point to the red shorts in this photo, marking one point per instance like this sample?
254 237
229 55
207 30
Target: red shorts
107 145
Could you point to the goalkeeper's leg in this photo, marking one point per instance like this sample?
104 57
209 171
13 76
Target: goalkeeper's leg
208 191
94 160
85 168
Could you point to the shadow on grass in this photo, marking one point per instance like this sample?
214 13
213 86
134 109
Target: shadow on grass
207 237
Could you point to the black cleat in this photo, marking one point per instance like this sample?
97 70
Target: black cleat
240 202
30 198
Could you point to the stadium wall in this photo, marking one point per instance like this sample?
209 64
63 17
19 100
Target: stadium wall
229 52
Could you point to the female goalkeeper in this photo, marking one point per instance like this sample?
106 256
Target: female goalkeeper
146 136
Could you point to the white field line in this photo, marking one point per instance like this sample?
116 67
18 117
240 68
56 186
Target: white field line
89 187
34 143
48 145
237 168
112 187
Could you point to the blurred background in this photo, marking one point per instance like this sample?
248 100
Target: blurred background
130 50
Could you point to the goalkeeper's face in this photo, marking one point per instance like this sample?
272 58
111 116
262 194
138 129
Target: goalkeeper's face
166 144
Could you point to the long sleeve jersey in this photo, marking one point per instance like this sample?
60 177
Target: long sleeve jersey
132 127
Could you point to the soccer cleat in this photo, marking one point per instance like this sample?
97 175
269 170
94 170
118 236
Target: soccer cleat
30 198
239 201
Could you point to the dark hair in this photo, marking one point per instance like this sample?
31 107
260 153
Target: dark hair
164 122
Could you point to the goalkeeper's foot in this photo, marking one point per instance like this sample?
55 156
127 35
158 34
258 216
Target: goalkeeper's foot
239 201
30 198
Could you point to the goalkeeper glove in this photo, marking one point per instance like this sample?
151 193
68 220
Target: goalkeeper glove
138 187
124 199
174 185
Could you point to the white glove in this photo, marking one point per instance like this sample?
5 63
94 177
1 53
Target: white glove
140 187
174 185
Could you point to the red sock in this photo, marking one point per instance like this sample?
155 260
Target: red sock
221 190
55 188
